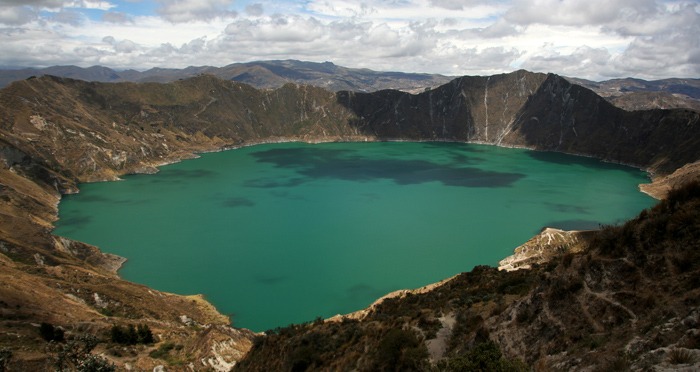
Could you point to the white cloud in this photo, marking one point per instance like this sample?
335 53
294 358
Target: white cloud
576 12
125 46
583 61
116 17
89 4
456 4
17 15
177 11
34 3
254 10
68 17
615 38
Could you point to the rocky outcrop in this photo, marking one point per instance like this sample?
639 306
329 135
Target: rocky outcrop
660 188
544 246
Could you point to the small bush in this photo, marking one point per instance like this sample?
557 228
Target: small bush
75 356
50 333
621 363
680 356
5 356
400 350
163 351
131 335
485 356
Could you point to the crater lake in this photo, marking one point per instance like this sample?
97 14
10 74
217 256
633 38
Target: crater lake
283 233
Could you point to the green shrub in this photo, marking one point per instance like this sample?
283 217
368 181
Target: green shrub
400 350
131 335
485 356
163 351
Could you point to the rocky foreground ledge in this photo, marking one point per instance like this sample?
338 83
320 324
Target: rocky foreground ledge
56 133
543 247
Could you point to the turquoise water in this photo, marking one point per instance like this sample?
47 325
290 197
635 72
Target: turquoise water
283 233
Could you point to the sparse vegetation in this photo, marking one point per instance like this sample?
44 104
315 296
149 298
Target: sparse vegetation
50 333
75 355
400 350
485 356
131 335
680 356
163 352
5 356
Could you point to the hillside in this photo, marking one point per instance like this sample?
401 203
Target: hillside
57 132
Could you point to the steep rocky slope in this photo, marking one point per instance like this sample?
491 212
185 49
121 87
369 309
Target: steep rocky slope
56 132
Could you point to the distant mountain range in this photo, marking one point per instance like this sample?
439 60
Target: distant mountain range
637 94
261 75
629 94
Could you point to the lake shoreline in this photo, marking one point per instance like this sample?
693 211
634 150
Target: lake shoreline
292 140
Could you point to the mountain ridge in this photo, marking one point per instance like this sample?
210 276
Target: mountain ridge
627 93
260 74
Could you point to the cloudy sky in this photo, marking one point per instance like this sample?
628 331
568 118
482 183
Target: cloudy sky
595 39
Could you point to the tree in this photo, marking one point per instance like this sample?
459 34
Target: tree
144 334
75 355
401 350
131 335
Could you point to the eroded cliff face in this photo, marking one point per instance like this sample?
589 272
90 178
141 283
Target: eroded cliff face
537 111
58 132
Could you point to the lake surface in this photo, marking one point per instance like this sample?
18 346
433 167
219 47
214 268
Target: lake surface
282 233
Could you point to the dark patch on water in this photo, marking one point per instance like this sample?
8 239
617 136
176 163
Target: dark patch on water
343 165
457 146
574 224
365 290
270 279
287 195
363 293
176 175
371 196
462 159
458 152
267 183
567 208
95 199
79 220
566 159
75 221
238 202
107 200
